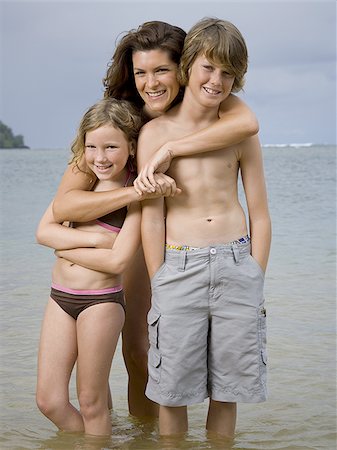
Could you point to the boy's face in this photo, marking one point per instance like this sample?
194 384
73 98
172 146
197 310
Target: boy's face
209 84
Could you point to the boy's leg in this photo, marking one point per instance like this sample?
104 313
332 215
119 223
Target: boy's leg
178 333
221 418
172 420
98 330
57 356
236 342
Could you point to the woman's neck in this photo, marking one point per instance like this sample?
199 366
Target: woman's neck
150 113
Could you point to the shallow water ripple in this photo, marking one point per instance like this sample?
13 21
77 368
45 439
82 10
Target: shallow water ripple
300 298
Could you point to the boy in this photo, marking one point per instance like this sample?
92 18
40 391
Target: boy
207 320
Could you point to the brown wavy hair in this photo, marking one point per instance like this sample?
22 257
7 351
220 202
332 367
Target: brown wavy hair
119 80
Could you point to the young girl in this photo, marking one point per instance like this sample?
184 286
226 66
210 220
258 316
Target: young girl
86 310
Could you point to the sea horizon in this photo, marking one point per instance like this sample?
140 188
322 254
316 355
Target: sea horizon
263 145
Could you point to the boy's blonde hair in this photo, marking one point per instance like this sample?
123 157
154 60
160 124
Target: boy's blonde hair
120 114
221 43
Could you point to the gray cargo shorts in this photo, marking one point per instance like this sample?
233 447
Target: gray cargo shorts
207 327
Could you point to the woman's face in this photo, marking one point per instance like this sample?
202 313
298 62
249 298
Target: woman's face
156 80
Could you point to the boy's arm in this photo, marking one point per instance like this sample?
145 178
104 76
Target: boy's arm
75 202
60 237
115 259
153 234
253 180
153 223
237 122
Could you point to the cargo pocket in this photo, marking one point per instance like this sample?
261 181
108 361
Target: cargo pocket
153 326
154 364
154 356
263 333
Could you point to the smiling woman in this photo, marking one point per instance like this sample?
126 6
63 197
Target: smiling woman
151 51
156 79
143 70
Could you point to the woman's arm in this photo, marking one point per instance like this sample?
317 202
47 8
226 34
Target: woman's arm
253 180
60 237
116 259
76 203
236 123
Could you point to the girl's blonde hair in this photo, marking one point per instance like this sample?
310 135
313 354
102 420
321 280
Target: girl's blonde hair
221 43
120 114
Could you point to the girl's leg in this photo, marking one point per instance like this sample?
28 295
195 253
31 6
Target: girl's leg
221 418
98 329
172 420
57 356
135 336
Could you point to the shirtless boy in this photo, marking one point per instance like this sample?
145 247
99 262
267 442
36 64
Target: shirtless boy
206 264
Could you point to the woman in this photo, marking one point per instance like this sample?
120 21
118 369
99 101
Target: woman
143 70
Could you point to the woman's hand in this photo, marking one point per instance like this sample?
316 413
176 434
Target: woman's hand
159 162
163 186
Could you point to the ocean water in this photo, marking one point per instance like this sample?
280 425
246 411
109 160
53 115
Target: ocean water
300 296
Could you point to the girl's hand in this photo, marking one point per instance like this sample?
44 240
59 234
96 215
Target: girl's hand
105 240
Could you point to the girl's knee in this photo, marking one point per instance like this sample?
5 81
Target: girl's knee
93 404
49 404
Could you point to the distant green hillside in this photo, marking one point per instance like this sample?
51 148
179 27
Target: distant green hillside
8 139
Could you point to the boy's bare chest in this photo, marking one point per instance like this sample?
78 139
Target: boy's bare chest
205 166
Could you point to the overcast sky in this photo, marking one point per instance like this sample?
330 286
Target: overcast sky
54 56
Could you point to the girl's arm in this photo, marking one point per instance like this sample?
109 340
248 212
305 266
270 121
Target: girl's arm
61 237
116 259
236 123
251 166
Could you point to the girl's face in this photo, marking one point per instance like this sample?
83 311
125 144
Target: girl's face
106 152
156 80
208 82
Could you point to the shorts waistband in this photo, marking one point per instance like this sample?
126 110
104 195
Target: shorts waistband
111 290
236 249
240 241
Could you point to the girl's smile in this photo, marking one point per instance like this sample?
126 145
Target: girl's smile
106 152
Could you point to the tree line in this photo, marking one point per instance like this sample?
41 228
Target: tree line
8 139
